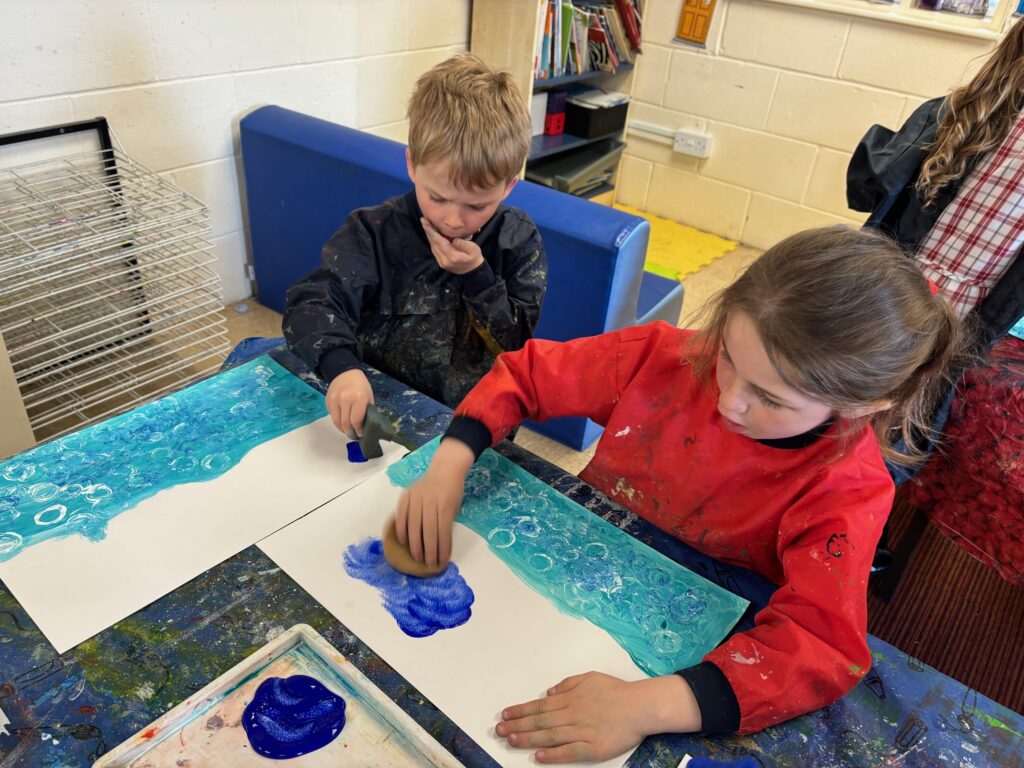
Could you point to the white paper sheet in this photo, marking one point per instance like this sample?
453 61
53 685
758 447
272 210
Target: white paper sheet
514 647
73 588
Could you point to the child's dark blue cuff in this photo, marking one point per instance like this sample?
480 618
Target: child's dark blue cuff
478 280
719 708
470 431
336 361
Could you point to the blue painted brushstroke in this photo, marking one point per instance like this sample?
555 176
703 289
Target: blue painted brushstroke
664 616
421 606
292 716
76 484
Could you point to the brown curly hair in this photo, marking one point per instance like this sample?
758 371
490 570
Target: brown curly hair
976 117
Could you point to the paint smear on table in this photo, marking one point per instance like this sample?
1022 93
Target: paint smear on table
292 716
664 616
77 483
421 606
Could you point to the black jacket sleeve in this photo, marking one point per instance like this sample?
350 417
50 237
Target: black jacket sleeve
1004 304
507 305
884 162
322 311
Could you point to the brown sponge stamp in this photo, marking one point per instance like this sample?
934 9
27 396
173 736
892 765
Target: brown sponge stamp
399 557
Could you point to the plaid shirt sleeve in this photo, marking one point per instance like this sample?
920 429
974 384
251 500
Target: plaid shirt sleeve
976 238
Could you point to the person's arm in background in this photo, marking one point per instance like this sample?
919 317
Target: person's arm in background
321 316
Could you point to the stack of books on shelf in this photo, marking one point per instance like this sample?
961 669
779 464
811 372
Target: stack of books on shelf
578 36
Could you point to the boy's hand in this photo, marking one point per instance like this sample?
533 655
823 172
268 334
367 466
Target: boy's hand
347 398
457 256
426 511
596 716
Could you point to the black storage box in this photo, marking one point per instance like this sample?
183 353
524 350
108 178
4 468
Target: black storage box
588 122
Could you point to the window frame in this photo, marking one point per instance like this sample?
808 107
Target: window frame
904 12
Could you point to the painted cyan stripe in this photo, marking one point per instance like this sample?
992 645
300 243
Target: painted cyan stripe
77 483
663 615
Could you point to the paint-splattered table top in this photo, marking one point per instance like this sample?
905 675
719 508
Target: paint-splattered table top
67 710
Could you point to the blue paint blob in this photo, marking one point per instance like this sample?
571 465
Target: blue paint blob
77 483
292 716
663 615
421 606
355 453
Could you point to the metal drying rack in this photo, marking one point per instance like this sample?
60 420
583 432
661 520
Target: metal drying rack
107 294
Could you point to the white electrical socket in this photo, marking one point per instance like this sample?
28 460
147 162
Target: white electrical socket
692 143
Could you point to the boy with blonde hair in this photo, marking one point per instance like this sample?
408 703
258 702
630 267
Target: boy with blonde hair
430 286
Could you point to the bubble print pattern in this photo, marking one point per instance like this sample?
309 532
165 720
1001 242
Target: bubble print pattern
77 483
663 615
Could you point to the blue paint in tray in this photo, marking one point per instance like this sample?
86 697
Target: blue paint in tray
665 616
77 483
421 606
292 716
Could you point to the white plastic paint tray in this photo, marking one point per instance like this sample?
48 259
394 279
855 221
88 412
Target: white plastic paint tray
206 729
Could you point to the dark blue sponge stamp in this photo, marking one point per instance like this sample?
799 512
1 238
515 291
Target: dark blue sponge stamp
355 453
292 716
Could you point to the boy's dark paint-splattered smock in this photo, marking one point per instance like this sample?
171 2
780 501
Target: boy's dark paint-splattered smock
380 298
799 511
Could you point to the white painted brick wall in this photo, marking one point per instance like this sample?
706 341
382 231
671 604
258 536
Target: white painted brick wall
341 29
174 77
786 93
66 46
385 82
326 90
18 115
197 37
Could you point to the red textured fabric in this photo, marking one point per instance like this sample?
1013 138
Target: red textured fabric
973 490
807 518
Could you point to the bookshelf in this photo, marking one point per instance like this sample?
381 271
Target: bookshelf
545 146
504 33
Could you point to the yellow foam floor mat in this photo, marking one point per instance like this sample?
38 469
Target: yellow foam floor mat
677 250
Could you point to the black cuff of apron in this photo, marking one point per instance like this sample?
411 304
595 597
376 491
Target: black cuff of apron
719 708
478 280
337 361
470 431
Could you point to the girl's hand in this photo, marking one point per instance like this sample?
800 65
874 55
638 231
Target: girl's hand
428 508
596 716
457 256
347 398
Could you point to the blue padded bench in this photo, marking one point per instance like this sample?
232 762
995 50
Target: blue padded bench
303 176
